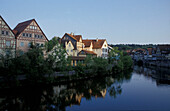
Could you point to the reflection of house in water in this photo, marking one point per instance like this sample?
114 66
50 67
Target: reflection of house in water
161 75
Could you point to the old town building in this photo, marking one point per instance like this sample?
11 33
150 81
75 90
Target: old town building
27 33
7 39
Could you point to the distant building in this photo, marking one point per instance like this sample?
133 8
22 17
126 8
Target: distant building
7 38
74 44
29 32
98 46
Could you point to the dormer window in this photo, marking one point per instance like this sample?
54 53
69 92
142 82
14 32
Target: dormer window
69 45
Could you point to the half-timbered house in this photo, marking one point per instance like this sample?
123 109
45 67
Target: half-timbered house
27 33
7 38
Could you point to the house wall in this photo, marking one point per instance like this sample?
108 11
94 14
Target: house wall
30 35
6 36
98 52
70 48
105 50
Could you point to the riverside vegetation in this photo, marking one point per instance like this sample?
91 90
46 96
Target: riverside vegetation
38 69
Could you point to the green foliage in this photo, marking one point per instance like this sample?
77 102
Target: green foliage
51 43
80 69
100 66
120 60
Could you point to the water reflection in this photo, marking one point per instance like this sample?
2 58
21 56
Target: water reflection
58 97
160 75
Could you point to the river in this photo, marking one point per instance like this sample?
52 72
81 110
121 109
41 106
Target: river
142 89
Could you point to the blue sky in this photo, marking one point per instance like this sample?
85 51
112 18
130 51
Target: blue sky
119 21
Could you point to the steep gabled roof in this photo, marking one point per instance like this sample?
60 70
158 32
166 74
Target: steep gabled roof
97 44
77 37
88 52
23 25
69 35
7 25
87 43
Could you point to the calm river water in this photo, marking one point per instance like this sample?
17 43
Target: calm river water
142 89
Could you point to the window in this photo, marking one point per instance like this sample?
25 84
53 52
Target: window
102 50
67 50
27 35
42 45
22 44
29 44
23 34
41 36
71 50
2 32
8 43
30 35
38 36
6 32
69 45
35 36
31 27
37 44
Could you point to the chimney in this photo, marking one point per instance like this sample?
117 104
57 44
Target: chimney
72 33
97 40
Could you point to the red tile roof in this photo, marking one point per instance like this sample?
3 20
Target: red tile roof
97 44
75 37
88 52
150 51
78 37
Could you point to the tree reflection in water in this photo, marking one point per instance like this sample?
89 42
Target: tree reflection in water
58 97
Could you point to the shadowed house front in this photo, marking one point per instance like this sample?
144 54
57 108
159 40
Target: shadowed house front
7 39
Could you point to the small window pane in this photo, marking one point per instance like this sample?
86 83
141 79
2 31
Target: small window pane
35 36
23 34
6 32
27 35
2 32
8 43
29 44
22 44
30 35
